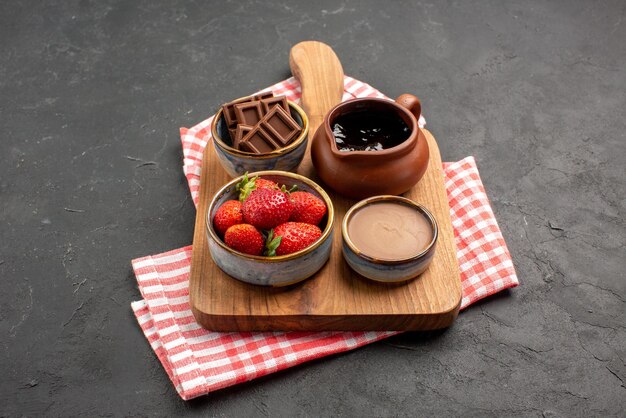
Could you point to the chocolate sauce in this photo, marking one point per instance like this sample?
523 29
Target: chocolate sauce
369 131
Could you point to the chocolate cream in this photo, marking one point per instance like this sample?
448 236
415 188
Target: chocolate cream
390 231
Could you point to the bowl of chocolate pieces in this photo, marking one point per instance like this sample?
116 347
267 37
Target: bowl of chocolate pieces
260 132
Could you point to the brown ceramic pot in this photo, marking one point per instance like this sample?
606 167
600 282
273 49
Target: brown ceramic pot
361 174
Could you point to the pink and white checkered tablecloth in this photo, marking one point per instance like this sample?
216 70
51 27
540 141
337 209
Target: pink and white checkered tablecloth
200 361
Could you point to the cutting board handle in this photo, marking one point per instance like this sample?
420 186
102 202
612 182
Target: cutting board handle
319 71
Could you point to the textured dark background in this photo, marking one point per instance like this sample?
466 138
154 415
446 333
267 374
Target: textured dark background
534 90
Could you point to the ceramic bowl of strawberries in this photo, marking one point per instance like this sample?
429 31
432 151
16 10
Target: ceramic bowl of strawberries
270 228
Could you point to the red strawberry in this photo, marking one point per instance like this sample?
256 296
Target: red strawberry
307 208
227 215
246 185
290 237
265 184
267 208
245 238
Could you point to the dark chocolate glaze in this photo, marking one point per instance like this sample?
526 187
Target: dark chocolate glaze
369 131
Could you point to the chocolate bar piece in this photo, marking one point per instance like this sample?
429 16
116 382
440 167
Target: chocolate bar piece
261 123
263 95
248 113
258 141
280 125
240 132
229 111
270 102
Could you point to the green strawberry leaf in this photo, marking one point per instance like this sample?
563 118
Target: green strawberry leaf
293 188
272 244
244 180
246 186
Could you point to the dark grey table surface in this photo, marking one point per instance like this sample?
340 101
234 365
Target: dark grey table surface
534 90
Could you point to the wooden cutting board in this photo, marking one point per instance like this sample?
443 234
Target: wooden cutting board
336 298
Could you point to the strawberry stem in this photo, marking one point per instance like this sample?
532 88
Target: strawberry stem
272 243
246 186
293 188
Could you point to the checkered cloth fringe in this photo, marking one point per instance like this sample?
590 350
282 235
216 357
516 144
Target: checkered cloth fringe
200 361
